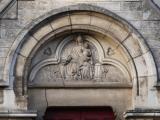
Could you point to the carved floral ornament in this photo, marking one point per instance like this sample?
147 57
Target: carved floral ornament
78 59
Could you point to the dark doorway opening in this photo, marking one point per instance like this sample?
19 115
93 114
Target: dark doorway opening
79 113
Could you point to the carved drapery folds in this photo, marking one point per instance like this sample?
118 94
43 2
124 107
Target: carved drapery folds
77 60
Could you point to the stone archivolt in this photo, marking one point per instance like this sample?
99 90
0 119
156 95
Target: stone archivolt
112 42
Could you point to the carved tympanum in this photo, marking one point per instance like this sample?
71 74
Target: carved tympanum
76 60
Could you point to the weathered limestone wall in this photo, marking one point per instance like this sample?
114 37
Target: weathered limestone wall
140 13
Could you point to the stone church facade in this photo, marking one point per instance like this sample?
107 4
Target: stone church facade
79 53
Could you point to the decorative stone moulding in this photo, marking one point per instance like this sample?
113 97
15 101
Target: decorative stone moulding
5 6
18 115
101 29
141 114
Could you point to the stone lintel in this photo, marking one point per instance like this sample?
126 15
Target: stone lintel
82 84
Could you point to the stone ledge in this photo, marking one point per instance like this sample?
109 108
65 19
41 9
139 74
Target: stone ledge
157 85
4 83
18 114
142 113
76 84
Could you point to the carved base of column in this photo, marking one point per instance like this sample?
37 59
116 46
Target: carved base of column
22 102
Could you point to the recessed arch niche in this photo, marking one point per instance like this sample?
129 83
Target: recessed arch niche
40 49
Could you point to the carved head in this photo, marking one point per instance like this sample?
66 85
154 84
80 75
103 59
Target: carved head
86 45
79 39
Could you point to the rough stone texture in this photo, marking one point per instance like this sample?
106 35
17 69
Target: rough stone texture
60 22
39 101
139 13
31 43
19 68
100 22
3 8
80 19
42 32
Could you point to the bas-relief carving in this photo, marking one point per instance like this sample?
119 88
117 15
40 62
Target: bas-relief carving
52 73
76 60
47 51
110 51
79 61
